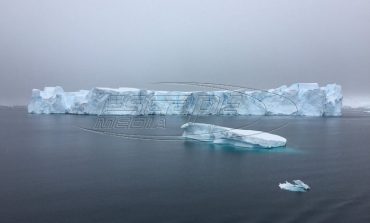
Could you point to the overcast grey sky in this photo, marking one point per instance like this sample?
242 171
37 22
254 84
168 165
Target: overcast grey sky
79 44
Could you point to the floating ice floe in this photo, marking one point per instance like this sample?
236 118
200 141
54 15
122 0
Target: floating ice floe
297 186
301 99
236 137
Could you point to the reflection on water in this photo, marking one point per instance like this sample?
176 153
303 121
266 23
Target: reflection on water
194 144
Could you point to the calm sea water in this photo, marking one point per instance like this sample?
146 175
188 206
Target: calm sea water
53 171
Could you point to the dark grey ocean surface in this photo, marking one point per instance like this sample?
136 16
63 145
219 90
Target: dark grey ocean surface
52 170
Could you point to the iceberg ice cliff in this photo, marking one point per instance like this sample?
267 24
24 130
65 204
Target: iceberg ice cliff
302 99
235 137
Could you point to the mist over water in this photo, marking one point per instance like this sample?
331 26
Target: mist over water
83 44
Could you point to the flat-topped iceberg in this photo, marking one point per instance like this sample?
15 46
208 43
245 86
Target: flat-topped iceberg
303 99
235 137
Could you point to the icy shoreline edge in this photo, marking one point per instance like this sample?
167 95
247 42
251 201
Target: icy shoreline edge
301 99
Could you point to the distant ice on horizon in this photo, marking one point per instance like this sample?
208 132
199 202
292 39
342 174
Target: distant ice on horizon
357 102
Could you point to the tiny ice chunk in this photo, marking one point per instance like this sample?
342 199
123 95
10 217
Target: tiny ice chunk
298 186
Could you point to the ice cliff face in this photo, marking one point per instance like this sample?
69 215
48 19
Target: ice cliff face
303 99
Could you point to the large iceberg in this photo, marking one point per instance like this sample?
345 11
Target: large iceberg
235 137
302 99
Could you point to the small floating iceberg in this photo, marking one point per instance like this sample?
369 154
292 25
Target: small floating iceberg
298 186
236 137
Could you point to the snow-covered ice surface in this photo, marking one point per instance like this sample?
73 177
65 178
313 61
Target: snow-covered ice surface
303 99
236 137
297 186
